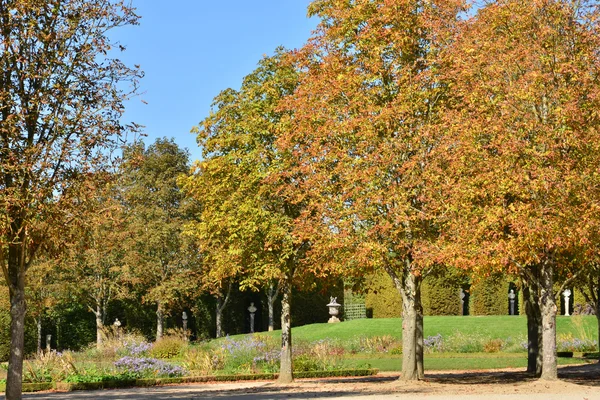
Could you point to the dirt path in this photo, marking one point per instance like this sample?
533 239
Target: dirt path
576 383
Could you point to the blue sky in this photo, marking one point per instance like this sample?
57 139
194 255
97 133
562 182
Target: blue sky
190 50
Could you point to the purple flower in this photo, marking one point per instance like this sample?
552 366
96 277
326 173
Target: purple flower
143 367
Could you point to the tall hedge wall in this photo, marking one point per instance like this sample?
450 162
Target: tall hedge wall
440 296
489 296
381 297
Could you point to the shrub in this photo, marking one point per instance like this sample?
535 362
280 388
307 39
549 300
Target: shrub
305 362
460 343
203 361
327 354
433 344
249 355
493 345
373 344
168 347
566 342
49 367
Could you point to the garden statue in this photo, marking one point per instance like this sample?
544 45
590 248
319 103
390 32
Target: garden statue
184 318
511 299
252 309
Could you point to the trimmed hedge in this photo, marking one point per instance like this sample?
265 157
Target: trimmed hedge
31 387
382 298
440 296
115 384
489 296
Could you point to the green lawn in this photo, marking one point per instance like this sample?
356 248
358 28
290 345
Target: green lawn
480 328
453 361
493 327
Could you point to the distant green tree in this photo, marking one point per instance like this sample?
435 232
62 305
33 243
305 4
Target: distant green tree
159 265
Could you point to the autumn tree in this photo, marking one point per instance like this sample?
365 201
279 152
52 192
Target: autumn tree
248 229
60 105
361 131
156 212
92 263
523 144
43 291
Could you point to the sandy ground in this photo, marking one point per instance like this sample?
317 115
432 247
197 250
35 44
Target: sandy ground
576 382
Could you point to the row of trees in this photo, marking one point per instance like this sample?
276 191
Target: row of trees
411 136
408 136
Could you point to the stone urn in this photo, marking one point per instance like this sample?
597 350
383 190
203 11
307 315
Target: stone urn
334 310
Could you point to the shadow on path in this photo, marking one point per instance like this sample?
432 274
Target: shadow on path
373 387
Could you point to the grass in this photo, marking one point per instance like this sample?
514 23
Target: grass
453 361
487 327
492 327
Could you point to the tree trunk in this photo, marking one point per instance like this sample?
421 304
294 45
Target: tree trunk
58 334
534 327
408 289
419 332
221 303
18 308
285 369
409 330
219 317
38 323
160 321
272 294
598 314
548 308
99 327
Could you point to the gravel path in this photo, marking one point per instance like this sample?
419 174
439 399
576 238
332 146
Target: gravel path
576 383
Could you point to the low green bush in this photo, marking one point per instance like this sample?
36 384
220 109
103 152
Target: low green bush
168 347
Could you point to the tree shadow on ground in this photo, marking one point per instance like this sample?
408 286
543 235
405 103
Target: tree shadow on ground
586 374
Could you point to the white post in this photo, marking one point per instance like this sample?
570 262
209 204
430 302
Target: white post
567 294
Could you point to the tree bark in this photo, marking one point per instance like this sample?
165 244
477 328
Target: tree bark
409 330
160 320
548 308
221 303
419 331
219 317
407 286
534 326
272 294
285 369
18 308
38 323
598 313
99 326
